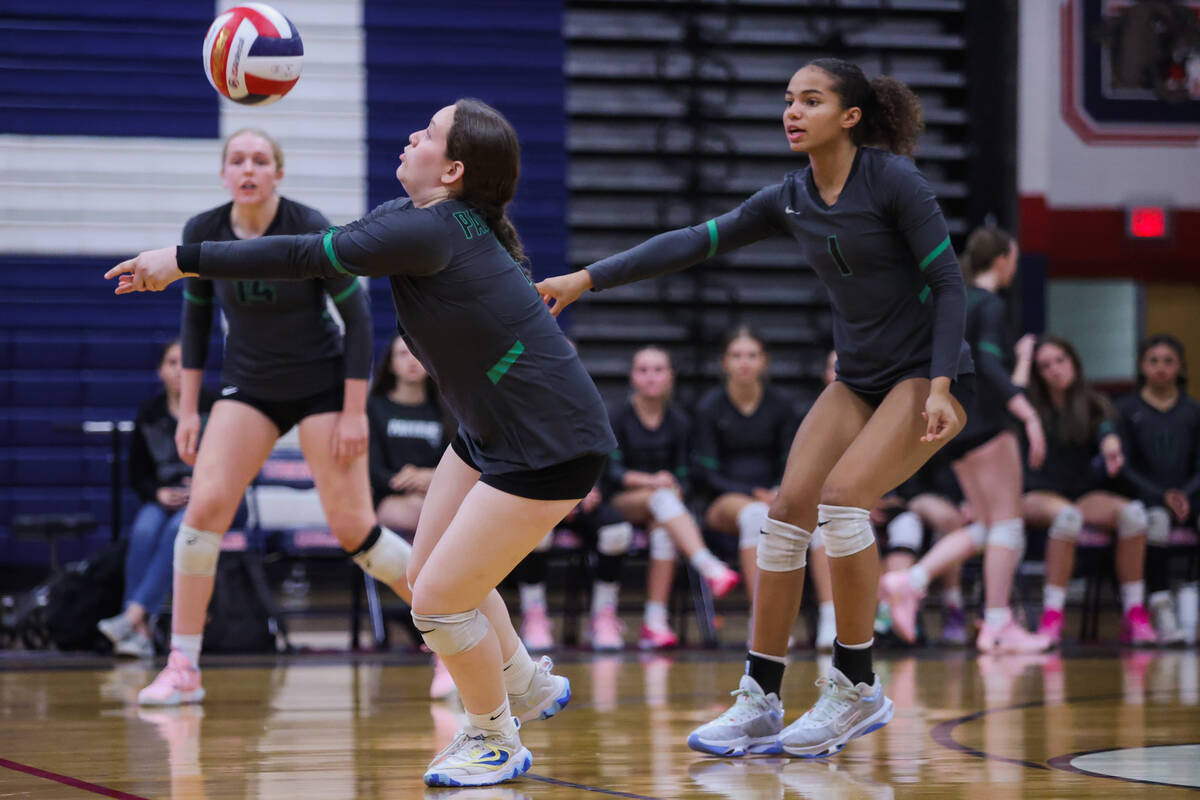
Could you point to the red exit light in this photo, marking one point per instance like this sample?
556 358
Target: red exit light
1147 222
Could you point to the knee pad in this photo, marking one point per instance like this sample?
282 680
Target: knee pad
451 634
545 544
383 555
665 504
613 540
661 546
906 531
1158 526
196 551
818 539
782 547
750 521
978 533
847 529
1007 533
1131 521
1066 525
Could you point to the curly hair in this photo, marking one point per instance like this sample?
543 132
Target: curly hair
891 113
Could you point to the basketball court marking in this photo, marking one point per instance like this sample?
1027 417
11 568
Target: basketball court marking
67 780
1174 765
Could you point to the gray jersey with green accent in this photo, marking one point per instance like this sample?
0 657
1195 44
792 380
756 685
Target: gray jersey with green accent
882 250
469 313
281 342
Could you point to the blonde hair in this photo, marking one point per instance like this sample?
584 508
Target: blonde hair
276 150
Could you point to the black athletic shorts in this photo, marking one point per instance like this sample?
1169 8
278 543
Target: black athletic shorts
963 389
285 414
570 480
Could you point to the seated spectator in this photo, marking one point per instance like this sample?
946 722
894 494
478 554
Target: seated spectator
1160 434
1066 491
161 480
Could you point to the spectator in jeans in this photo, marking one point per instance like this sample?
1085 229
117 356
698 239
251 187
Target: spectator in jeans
161 481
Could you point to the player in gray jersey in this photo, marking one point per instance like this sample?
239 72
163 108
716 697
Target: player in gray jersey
869 225
533 433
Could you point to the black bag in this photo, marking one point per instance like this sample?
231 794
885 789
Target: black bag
241 616
85 593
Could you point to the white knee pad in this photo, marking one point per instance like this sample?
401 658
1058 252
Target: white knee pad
750 521
613 540
1066 525
451 634
847 529
818 539
545 544
384 555
661 546
978 533
665 504
196 551
1007 533
1132 520
782 547
1158 526
906 531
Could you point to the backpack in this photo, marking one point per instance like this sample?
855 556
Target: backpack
82 595
241 616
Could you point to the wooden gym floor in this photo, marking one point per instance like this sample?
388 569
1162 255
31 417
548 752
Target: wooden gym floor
1092 723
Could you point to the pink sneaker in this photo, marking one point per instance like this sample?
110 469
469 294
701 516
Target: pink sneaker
657 638
442 685
535 631
178 683
605 631
723 582
1010 638
904 602
1051 626
1136 629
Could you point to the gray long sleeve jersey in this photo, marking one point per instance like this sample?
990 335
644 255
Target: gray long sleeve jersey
882 250
469 313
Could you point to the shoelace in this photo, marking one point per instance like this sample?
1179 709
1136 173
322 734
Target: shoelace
739 710
834 700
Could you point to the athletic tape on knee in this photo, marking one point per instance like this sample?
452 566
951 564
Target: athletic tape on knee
847 529
978 533
546 542
782 547
1007 533
451 634
1066 525
614 540
665 504
661 546
386 558
1131 521
1158 526
750 521
196 551
906 531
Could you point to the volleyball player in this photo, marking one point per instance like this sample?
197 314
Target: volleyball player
869 225
533 434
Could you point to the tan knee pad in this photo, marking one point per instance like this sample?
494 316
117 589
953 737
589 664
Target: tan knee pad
196 551
451 634
384 555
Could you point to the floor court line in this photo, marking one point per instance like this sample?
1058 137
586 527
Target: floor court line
67 780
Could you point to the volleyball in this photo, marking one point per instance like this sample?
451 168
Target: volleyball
253 54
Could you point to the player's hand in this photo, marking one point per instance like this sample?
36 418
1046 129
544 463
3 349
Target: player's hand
1037 442
149 271
187 438
1179 504
590 501
349 436
940 416
1023 349
1114 459
172 497
562 290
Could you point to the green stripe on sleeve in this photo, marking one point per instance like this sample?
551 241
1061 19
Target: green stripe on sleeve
712 238
328 241
507 360
349 290
193 299
708 462
924 295
989 347
937 251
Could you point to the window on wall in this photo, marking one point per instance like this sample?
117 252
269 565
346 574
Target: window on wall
1103 319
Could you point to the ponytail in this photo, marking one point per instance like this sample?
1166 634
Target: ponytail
891 113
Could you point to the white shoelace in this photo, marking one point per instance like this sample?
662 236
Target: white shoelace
834 699
744 707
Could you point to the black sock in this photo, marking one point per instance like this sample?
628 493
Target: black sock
369 542
767 673
854 664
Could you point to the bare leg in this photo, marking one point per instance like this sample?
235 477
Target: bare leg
1040 508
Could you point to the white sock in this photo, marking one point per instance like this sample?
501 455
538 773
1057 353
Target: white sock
918 577
604 596
518 671
533 595
498 720
1132 594
952 597
996 618
1054 598
189 645
656 614
1160 598
706 563
825 614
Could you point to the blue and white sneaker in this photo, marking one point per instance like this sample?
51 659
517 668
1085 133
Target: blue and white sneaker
843 712
479 758
751 725
547 694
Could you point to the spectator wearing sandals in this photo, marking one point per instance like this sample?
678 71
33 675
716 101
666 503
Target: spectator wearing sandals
160 479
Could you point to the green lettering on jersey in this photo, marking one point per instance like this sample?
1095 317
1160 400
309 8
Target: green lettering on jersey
835 252
252 292
472 223
507 360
